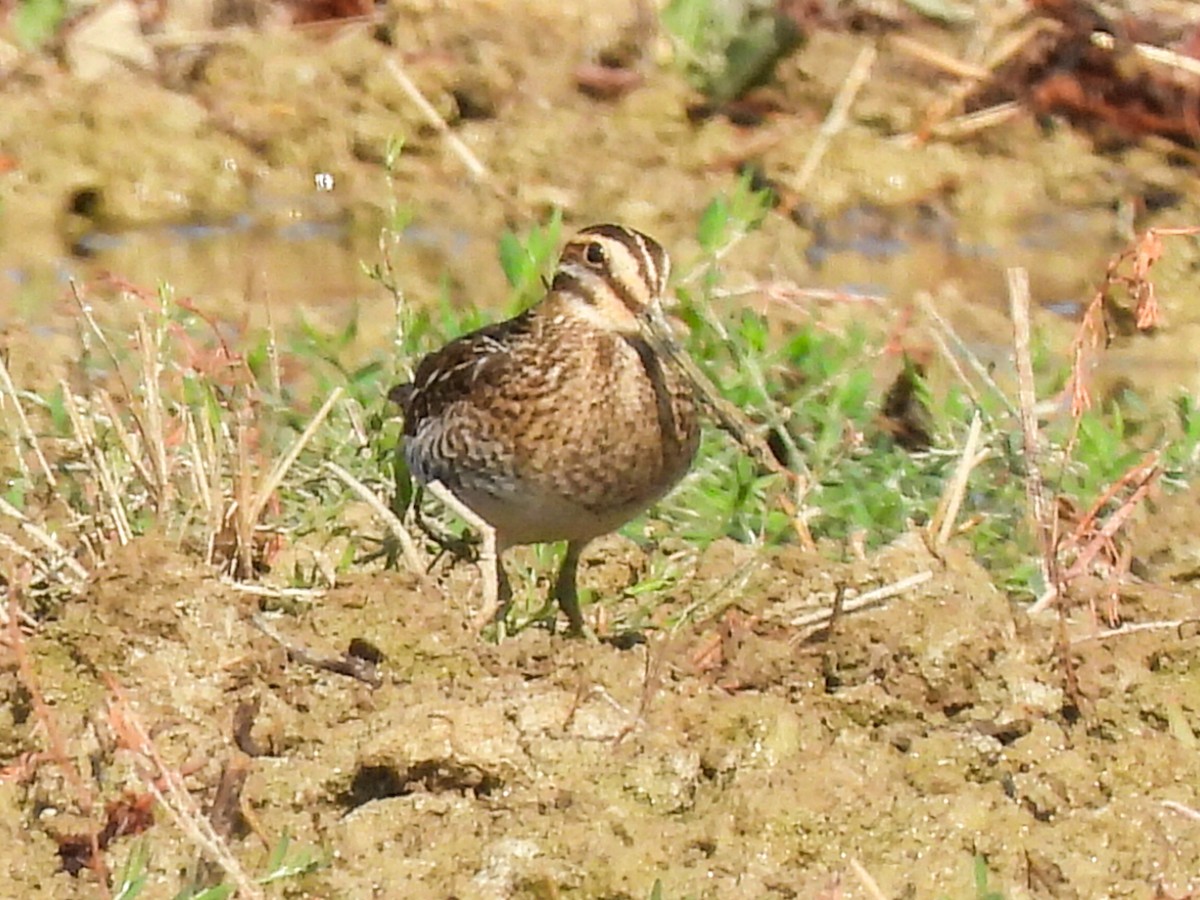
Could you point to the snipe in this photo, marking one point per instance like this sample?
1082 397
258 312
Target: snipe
568 420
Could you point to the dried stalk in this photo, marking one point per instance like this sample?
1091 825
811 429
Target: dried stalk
478 171
86 311
838 116
408 547
150 345
870 598
27 432
1044 520
127 443
98 466
1134 628
942 524
275 476
926 304
168 789
44 538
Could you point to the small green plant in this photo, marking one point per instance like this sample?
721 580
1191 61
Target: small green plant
525 261
728 217
215 892
37 21
285 863
727 48
132 877
981 877
282 864
982 891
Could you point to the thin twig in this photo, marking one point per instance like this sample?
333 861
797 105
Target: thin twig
1035 486
243 495
173 796
1133 628
408 547
127 443
267 590
199 476
977 121
1189 812
938 59
478 171
18 549
839 114
275 477
870 598
150 345
23 423
213 462
1159 55
835 121
273 365
942 524
100 469
86 310
870 885
957 96
44 538
1148 473
731 584
356 667
955 366
924 301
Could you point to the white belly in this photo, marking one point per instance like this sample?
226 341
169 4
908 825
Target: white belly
532 517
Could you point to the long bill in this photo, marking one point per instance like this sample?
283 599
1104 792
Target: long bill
656 331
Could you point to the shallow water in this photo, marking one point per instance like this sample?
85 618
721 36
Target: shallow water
318 263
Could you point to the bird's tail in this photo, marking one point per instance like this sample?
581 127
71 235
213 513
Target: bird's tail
401 394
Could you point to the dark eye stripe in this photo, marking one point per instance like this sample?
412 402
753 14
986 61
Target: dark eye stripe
586 285
647 271
648 254
625 294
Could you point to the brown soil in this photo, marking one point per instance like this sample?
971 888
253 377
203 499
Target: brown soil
737 757
732 759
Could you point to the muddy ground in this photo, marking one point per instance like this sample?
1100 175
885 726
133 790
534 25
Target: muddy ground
741 756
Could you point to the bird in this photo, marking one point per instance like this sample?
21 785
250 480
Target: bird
566 421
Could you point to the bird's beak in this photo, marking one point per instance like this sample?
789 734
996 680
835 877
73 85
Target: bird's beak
656 331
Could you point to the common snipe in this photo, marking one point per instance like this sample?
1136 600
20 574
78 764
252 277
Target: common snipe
568 420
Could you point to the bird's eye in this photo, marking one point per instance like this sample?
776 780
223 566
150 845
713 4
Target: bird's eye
594 254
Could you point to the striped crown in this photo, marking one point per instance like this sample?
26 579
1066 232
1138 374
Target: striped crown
613 277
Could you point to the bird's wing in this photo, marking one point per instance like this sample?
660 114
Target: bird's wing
466 367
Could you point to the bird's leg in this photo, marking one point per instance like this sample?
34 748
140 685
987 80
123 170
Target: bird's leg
564 587
447 542
495 607
497 594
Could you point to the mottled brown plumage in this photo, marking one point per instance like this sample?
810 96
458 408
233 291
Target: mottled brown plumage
564 422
